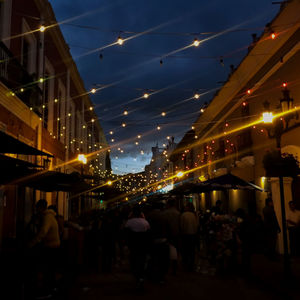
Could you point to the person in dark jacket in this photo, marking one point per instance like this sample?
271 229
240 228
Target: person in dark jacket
271 228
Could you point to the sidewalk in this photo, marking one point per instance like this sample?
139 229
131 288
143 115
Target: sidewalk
270 274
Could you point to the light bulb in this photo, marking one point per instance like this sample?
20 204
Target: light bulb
196 43
120 41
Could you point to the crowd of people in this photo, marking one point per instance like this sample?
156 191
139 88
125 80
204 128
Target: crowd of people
157 238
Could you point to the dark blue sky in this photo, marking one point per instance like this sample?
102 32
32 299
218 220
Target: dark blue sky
135 66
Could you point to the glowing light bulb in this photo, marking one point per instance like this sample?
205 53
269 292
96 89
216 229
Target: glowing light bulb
125 112
93 91
248 92
42 28
196 96
146 95
82 158
139 136
284 84
123 125
179 174
267 117
163 114
196 43
111 132
202 110
158 127
91 107
120 41
273 35
109 182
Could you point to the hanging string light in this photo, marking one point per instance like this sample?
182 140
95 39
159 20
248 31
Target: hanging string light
42 28
120 41
196 43
273 35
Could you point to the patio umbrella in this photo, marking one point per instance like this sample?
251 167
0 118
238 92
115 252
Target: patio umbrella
188 188
229 181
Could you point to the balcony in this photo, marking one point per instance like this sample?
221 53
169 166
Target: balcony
17 79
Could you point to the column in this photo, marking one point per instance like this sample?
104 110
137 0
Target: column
287 184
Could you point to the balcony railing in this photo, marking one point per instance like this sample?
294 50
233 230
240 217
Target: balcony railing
17 79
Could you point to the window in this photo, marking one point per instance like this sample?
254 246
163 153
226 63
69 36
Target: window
58 105
25 54
46 101
29 49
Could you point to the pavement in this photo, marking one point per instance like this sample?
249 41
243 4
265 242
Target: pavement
266 282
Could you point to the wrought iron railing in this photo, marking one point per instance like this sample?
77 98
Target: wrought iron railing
17 79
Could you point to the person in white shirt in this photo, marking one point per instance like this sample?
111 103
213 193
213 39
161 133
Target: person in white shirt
189 227
137 228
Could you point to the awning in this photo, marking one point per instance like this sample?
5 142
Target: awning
187 188
108 192
13 170
49 181
229 181
223 182
9 162
9 144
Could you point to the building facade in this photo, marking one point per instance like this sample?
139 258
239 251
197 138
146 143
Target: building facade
230 134
44 104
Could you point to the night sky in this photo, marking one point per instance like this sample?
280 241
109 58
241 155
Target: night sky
134 68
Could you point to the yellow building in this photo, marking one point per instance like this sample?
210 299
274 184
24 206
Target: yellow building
234 139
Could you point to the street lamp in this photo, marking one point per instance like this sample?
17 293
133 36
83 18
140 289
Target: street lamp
276 127
82 158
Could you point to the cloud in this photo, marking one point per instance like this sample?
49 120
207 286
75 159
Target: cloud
135 67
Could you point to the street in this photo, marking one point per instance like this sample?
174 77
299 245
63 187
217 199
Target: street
185 285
